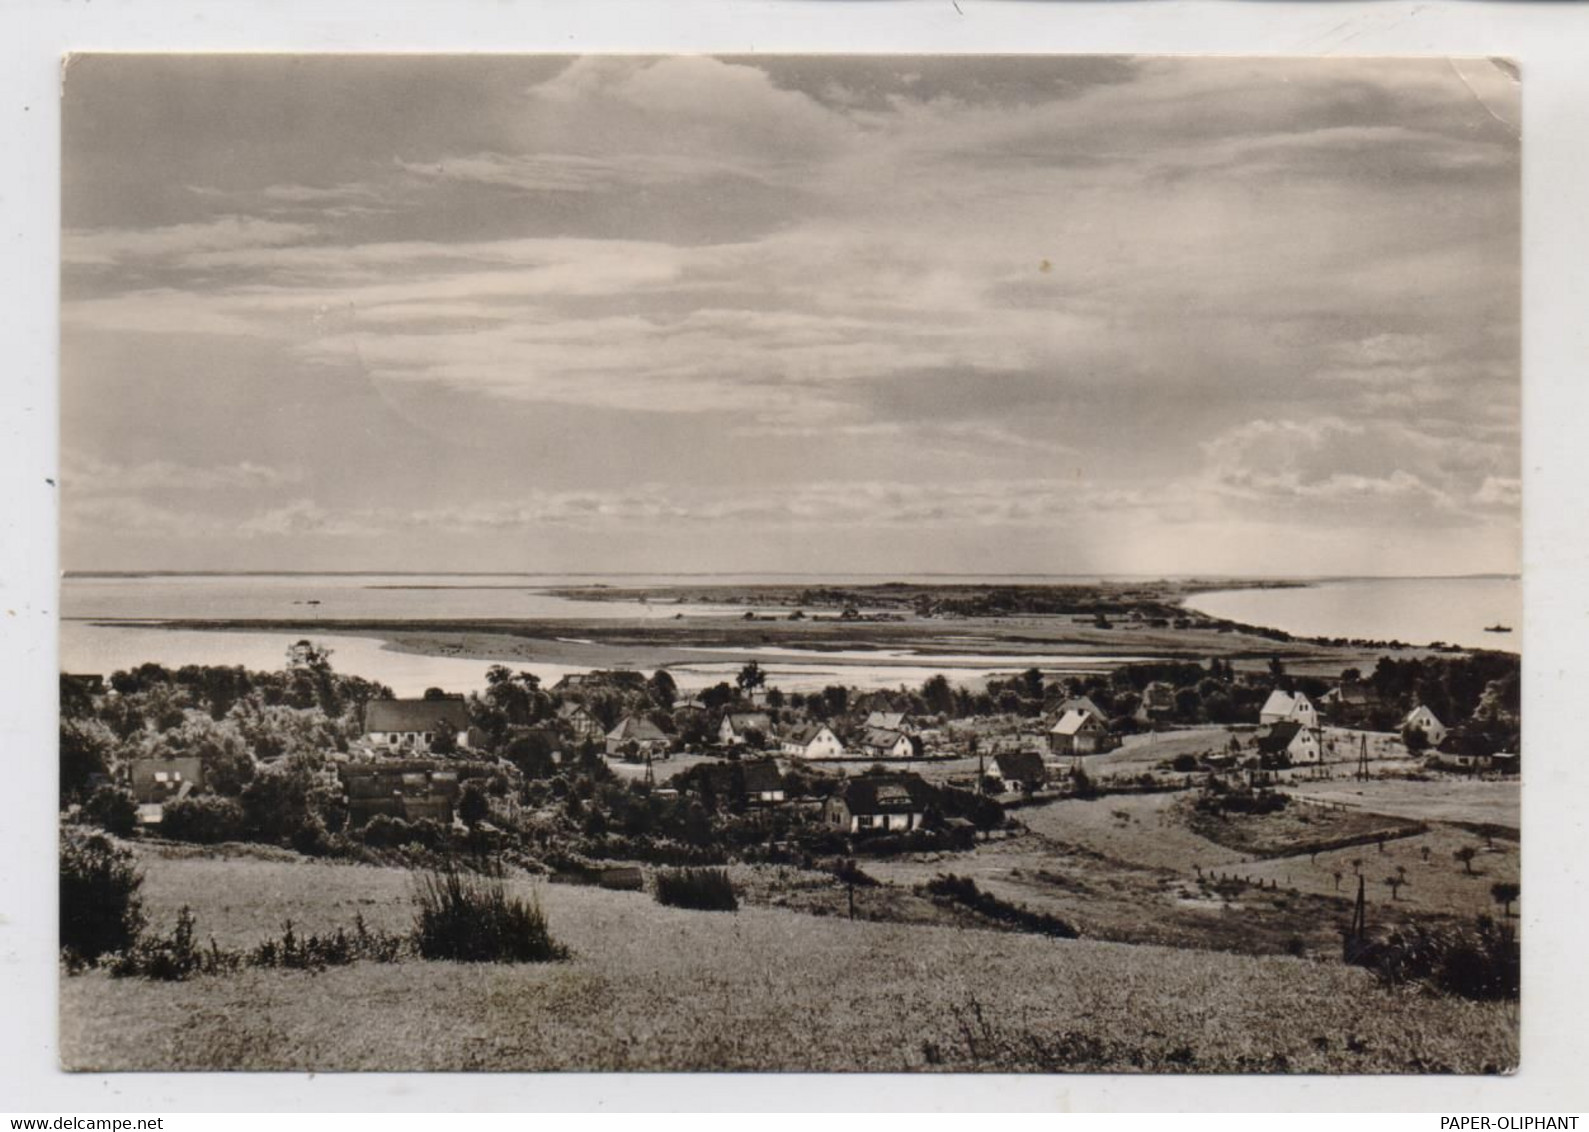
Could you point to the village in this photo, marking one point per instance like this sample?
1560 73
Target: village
1200 807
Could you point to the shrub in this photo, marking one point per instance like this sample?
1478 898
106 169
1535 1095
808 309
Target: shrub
311 838
473 805
101 910
171 958
177 957
473 919
205 819
112 809
954 889
275 804
707 890
1482 962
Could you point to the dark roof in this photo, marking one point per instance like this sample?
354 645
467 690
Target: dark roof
761 775
879 793
803 735
1356 693
746 720
414 715
883 737
637 727
146 787
1277 736
1022 766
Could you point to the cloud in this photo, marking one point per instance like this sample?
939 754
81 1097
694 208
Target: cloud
1372 470
1204 290
111 247
89 475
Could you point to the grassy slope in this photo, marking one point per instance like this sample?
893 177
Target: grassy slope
660 988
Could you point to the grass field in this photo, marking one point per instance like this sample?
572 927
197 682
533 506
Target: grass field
655 988
1445 798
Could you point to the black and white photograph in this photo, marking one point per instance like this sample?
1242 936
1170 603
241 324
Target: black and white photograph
977 564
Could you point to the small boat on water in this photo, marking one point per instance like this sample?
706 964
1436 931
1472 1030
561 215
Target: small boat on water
1497 628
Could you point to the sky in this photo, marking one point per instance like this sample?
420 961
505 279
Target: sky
1069 315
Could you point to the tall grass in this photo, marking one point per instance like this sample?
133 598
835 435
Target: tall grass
1483 962
707 890
471 918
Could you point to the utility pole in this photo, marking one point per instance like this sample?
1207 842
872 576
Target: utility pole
1362 760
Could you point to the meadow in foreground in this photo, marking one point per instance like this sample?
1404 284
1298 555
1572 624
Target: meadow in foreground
655 988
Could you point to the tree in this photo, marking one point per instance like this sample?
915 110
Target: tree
532 754
310 678
87 749
751 677
444 738
1505 893
473 805
663 690
1394 883
100 907
112 809
1032 680
1414 739
1466 855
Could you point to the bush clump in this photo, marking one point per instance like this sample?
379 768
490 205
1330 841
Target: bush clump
953 889
112 809
101 910
177 957
204 819
471 918
706 890
1482 962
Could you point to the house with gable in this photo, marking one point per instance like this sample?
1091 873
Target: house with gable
1282 706
1018 772
1422 719
1079 733
736 725
875 803
813 741
635 734
1289 738
891 721
1083 704
580 720
880 743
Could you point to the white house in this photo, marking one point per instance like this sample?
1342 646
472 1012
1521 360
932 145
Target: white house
814 741
883 744
638 732
1078 733
763 784
1282 707
1288 737
878 803
1018 771
1426 721
731 732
